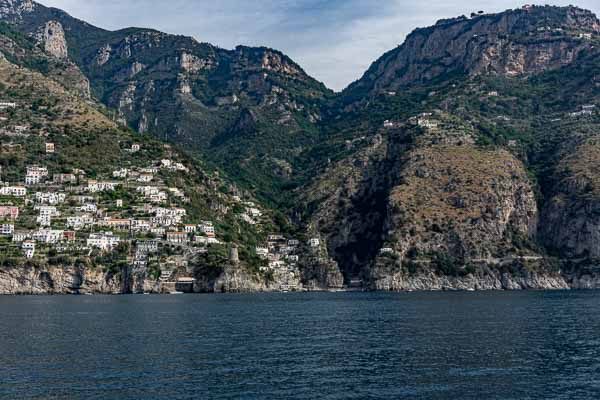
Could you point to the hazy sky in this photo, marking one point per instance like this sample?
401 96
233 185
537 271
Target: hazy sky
333 40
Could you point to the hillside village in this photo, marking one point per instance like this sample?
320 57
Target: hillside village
133 217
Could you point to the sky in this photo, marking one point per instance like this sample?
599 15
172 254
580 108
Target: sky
335 41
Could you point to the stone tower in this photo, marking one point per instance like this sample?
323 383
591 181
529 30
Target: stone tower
234 257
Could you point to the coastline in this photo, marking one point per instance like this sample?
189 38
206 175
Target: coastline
30 281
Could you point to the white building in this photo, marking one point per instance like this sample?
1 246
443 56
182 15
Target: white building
140 226
145 178
149 170
48 236
50 198
79 222
31 180
120 173
207 228
51 211
248 219
314 242
254 212
89 207
29 248
427 123
190 228
94 186
104 241
7 229
176 237
19 237
159 197
158 231
44 220
277 264
16 191
6 105
35 170
147 191
206 240
149 246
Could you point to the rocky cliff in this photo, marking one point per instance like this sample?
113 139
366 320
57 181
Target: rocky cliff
30 279
516 42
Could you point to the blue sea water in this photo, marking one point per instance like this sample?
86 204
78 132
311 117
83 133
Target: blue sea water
496 345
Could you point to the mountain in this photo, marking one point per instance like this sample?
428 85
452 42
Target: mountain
466 157
252 110
463 159
87 205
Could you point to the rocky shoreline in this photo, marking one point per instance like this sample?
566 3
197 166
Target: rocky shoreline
30 280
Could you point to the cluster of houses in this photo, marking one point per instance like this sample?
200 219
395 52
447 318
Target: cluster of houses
281 252
68 211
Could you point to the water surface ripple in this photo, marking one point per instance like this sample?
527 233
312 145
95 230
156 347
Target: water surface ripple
529 345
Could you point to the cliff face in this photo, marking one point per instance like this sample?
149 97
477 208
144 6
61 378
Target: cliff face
388 277
572 214
32 279
29 279
512 43
420 193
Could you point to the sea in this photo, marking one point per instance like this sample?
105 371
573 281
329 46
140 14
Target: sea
353 345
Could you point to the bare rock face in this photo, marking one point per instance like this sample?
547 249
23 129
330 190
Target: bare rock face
104 54
275 62
191 63
571 218
29 279
52 36
322 275
384 277
233 279
15 9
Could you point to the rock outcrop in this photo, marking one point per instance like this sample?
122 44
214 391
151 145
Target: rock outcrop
52 36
